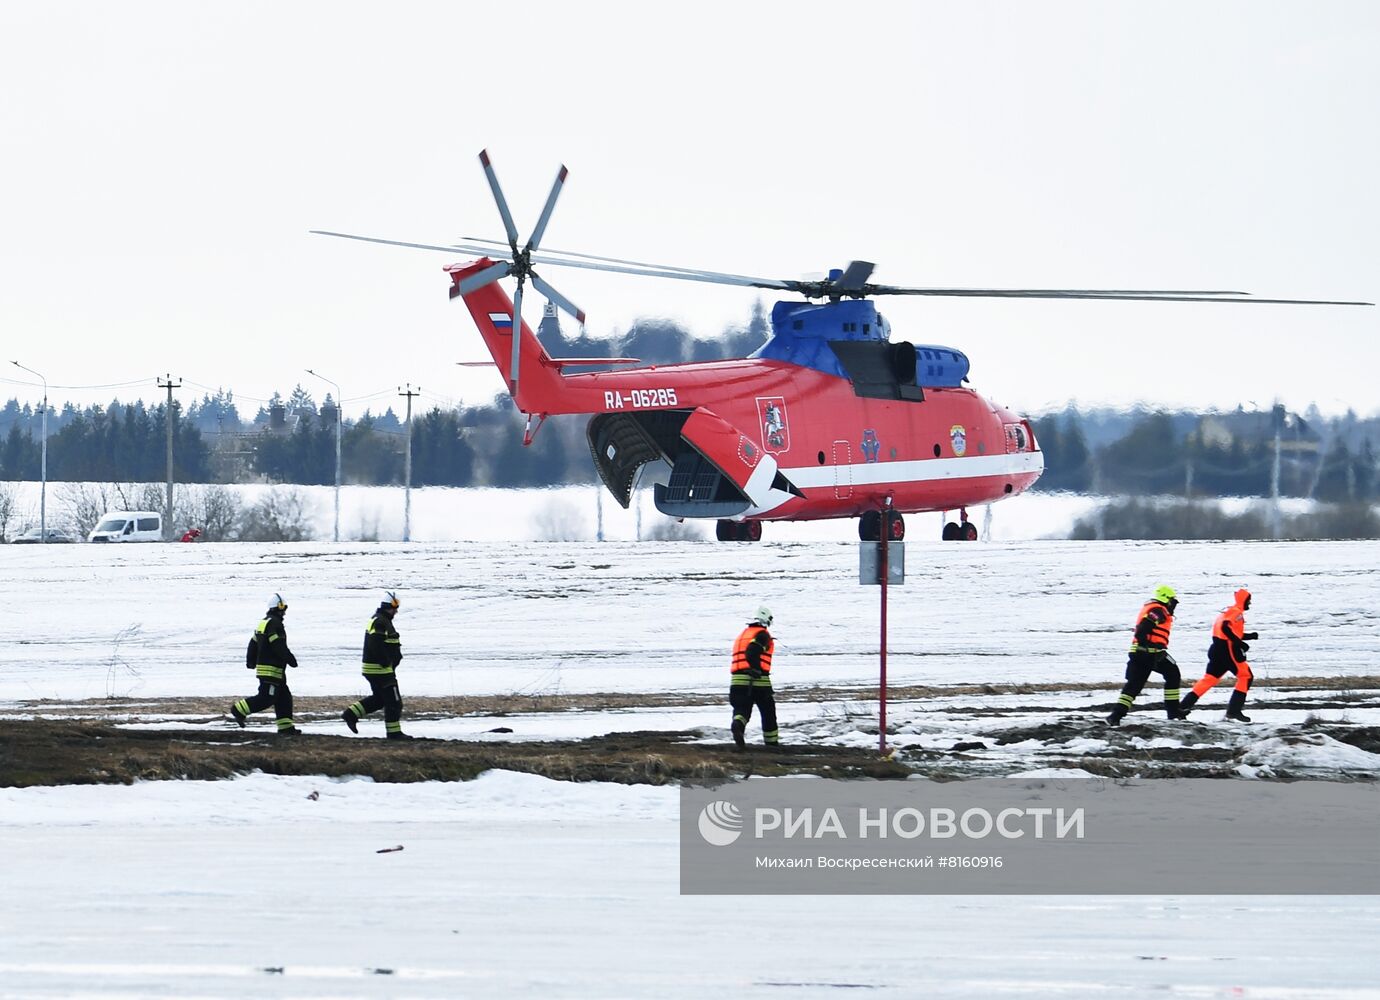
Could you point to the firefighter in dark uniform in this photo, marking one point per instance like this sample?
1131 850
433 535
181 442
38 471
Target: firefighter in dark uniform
1228 652
750 682
1150 655
382 654
269 657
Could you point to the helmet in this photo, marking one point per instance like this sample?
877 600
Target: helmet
1164 594
763 617
276 603
390 601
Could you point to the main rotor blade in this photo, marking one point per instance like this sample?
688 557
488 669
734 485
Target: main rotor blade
1109 295
508 226
391 243
817 289
517 340
617 265
558 298
487 276
855 276
540 229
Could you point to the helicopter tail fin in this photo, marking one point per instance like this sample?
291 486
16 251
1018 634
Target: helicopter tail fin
539 387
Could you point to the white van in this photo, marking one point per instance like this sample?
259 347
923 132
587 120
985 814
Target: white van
129 526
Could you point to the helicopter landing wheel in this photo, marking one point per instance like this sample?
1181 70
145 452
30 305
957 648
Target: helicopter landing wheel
738 531
970 532
952 532
870 526
895 526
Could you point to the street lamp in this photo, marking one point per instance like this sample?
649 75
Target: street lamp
43 490
323 378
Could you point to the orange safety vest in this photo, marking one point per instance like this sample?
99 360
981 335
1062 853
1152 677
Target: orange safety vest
1234 616
1159 635
740 660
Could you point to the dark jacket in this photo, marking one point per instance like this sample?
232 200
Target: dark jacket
268 654
382 644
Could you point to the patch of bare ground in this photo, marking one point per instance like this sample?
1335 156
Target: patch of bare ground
52 743
51 752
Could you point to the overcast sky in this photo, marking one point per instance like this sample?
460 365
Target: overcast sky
163 162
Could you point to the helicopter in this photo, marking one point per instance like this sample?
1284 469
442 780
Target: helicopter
829 418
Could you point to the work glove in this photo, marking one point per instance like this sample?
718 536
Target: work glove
1251 635
754 672
1243 647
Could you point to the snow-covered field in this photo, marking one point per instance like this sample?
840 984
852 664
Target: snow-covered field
517 886
497 617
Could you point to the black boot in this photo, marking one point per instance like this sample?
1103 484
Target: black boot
738 731
350 719
1186 704
1118 713
399 736
238 715
1234 706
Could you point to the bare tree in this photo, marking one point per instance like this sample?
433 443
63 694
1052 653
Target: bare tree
82 505
281 515
138 496
216 510
7 510
559 521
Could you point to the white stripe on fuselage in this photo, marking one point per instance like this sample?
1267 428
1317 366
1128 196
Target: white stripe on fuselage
863 474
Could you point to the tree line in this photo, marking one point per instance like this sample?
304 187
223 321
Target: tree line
291 439
1190 454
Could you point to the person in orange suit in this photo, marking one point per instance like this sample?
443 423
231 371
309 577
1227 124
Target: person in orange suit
1227 652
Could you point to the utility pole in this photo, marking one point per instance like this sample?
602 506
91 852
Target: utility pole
43 462
170 385
407 461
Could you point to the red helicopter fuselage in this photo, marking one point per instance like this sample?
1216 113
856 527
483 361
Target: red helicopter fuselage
819 423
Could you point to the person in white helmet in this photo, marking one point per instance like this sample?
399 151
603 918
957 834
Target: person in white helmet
269 657
750 682
382 654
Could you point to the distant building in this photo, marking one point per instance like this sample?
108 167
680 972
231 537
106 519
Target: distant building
1253 428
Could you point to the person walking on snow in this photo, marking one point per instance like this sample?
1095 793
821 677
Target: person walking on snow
1227 652
269 657
382 654
750 682
1150 654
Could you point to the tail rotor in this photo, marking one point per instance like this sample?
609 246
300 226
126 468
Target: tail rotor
520 264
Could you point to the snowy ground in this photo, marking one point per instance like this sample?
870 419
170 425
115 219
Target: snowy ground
493 617
517 886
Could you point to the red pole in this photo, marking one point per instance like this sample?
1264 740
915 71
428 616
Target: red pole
881 726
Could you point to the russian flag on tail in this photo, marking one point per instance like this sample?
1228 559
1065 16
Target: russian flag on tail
502 322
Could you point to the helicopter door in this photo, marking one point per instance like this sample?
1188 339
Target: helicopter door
843 470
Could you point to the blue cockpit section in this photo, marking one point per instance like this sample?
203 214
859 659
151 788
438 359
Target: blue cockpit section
801 332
